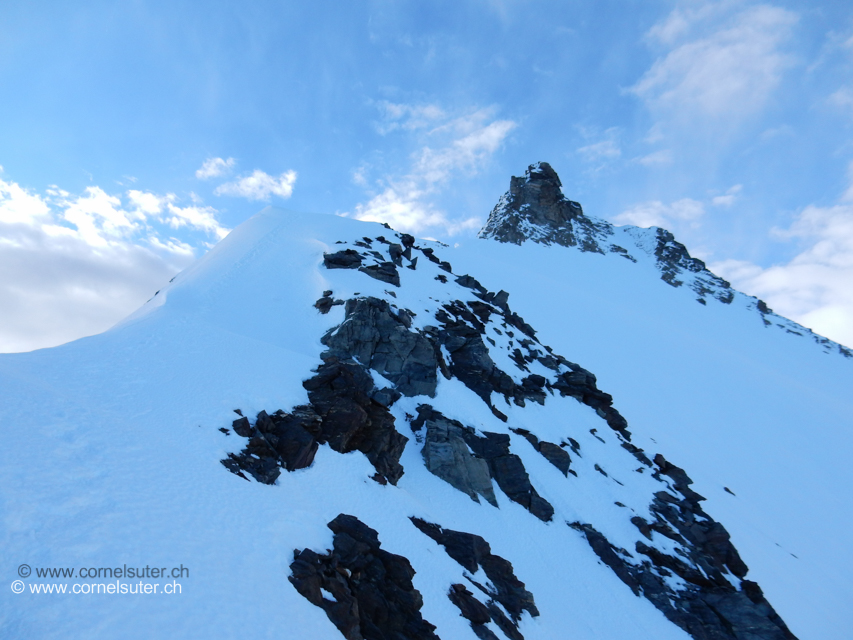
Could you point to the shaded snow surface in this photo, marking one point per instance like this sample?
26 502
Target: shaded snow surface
112 448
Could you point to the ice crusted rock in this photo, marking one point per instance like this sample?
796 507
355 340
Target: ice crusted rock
372 590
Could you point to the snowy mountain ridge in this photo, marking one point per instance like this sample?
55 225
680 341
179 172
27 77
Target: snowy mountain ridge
498 440
535 209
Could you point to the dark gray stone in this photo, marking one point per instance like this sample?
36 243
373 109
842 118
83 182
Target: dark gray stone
536 202
472 552
447 456
384 271
346 259
379 338
374 598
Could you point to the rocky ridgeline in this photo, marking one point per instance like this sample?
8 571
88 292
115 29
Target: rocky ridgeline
535 209
681 560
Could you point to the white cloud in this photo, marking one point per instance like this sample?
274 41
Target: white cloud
408 117
259 186
203 218
214 168
604 150
17 205
815 287
657 214
98 216
465 144
727 199
728 70
73 265
145 204
657 158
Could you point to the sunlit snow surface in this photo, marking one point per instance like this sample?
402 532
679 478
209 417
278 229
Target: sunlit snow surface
111 446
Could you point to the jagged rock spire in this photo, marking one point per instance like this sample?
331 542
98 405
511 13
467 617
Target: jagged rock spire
535 209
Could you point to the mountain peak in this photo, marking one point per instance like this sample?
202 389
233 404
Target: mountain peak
535 209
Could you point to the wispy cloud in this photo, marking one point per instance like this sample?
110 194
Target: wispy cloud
215 168
259 185
453 146
656 158
73 265
408 117
728 198
717 62
655 213
814 287
606 149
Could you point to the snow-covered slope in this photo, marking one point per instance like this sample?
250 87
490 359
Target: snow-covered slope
411 396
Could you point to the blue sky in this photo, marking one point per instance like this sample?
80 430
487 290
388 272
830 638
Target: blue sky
134 135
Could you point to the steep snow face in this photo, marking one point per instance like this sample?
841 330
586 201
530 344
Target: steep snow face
405 417
535 209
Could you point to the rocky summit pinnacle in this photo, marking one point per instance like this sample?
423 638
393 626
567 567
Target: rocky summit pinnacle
535 209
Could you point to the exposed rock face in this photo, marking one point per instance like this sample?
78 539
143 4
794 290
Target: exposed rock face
341 413
283 440
369 592
673 260
380 338
352 420
675 555
709 607
446 455
553 453
472 552
535 208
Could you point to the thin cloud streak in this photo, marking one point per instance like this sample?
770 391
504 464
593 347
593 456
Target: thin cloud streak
466 145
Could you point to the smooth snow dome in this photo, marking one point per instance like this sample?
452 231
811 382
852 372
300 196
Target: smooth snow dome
112 446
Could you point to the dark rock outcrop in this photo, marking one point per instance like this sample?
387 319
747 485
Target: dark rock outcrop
553 453
446 455
709 607
472 552
379 337
326 302
535 208
342 413
369 593
673 260
345 259
384 271
352 420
